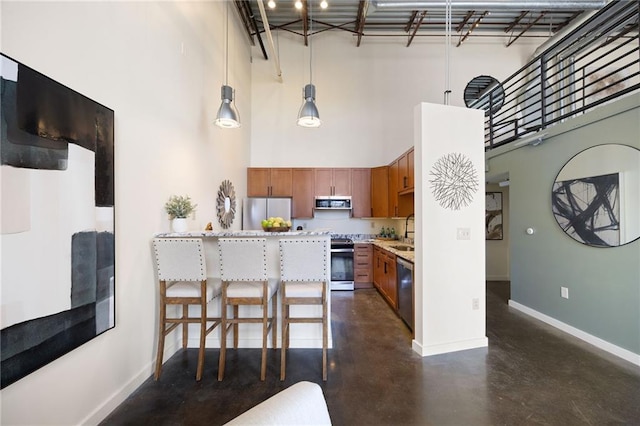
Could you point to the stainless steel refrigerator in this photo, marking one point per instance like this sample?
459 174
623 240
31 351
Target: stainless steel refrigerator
254 210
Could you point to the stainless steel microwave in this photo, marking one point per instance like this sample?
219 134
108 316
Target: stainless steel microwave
333 202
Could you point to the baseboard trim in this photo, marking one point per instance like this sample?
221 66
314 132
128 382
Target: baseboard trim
625 354
119 396
497 278
444 348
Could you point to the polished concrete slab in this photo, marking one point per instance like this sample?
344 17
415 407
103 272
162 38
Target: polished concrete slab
531 373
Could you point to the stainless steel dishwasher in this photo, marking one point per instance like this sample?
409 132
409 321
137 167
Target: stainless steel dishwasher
404 272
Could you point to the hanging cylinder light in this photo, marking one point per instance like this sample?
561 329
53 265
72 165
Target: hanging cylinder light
308 116
227 116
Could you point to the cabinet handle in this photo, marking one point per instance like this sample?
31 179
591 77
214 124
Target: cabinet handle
404 182
385 267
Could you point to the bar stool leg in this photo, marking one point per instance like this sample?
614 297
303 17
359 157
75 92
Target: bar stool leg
223 334
325 338
161 332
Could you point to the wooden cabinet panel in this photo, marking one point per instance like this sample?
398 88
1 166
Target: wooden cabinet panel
391 282
393 189
380 191
332 182
342 182
281 183
258 182
378 267
363 265
269 182
405 172
384 275
323 182
361 192
410 165
303 193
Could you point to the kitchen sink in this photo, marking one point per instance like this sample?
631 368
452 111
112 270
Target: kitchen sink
403 248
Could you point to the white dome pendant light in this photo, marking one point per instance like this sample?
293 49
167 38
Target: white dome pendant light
308 115
227 117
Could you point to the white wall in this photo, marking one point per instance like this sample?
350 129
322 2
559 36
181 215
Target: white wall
365 95
159 66
449 269
497 251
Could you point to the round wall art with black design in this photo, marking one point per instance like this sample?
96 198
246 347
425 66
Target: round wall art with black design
454 181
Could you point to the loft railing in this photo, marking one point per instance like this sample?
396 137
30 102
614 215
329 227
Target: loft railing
595 63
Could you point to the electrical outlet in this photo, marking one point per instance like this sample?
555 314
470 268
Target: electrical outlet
475 303
564 292
464 234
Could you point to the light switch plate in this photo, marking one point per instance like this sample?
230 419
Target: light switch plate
464 234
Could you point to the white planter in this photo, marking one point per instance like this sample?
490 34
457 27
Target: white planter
179 224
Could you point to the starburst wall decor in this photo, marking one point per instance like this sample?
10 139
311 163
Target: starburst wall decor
454 181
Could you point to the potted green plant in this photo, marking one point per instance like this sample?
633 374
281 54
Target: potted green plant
179 207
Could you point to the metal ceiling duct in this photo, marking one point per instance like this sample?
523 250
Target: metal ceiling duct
272 47
385 5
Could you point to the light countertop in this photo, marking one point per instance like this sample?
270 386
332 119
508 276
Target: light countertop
231 234
388 245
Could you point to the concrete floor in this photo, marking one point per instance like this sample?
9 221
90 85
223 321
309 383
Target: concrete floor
531 373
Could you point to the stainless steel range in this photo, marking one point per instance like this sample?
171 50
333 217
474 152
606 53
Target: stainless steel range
342 264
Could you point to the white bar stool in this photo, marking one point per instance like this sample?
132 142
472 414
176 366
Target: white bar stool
243 270
304 281
182 276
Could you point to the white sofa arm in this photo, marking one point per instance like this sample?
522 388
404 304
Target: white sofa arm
300 404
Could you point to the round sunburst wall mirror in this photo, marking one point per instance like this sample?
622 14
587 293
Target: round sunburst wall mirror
226 204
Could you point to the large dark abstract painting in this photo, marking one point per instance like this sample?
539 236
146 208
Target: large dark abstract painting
493 216
588 209
57 220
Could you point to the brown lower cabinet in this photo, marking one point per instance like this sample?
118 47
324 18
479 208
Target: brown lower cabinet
384 275
363 265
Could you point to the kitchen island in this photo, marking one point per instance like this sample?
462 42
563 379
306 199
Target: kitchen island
301 335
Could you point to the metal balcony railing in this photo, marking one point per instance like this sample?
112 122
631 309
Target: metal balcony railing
595 63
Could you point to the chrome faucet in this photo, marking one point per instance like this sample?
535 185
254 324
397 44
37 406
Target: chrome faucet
406 226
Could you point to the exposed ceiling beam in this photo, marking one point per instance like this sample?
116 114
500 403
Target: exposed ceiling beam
531 24
415 30
362 17
252 20
305 22
246 22
482 4
516 21
472 27
410 21
468 16
272 47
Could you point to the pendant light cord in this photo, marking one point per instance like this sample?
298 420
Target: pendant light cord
447 51
226 71
310 42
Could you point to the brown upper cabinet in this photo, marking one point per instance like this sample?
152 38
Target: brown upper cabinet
332 182
405 172
361 192
269 182
393 188
380 191
303 193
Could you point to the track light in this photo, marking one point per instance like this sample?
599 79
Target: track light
298 4
271 4
324 4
